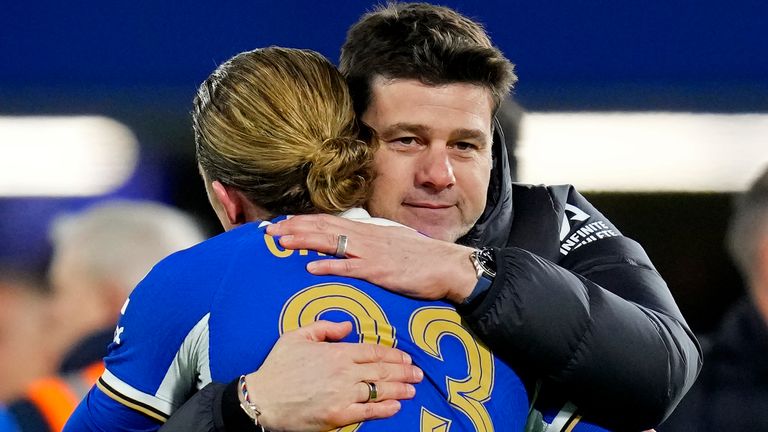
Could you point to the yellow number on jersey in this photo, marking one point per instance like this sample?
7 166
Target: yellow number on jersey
428 325
306 306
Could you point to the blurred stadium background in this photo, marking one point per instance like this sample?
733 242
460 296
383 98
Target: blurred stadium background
94 102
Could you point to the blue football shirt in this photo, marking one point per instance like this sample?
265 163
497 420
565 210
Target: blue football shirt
214 311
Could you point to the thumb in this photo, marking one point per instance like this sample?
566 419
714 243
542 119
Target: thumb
321 331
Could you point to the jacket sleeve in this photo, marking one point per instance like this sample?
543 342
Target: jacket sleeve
215 408
596 322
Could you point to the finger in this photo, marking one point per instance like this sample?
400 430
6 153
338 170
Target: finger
369 411
320 331
389 372
308 224
385 391
369 353
321 232
340 267
321 242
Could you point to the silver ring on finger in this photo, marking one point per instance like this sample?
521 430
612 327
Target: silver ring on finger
373 392
341 247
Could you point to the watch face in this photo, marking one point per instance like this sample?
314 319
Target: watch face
485 263
488 261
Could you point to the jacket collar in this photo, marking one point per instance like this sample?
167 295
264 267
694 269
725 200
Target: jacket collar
494 225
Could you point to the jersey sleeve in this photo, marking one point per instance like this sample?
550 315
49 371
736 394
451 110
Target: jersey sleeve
159 354
98 412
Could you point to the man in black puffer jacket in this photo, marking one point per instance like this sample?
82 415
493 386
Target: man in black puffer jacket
574 306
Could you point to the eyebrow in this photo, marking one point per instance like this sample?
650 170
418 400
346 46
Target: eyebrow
394 130
462 134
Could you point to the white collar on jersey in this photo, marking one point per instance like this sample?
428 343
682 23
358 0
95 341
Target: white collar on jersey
362 215
358 215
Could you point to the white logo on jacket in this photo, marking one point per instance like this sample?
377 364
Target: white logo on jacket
585 234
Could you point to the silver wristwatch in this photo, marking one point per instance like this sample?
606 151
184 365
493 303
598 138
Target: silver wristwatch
484 261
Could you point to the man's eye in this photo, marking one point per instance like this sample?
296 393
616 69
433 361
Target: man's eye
465 146
405 140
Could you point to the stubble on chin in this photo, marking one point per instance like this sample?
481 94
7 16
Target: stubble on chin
449 233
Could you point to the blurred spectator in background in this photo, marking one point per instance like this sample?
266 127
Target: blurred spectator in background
99 255
25 353
731 393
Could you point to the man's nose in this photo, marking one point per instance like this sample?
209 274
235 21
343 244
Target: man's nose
436 169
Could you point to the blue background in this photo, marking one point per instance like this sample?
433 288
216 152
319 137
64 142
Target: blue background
699 55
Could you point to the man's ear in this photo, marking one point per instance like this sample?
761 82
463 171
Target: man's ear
761 263
231 202
758 288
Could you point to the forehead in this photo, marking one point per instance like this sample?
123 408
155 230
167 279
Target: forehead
455 105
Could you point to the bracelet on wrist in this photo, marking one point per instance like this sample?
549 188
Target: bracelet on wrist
250 408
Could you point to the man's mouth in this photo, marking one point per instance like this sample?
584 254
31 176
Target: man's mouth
428 205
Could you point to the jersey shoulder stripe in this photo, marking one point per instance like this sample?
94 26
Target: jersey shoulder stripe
128 396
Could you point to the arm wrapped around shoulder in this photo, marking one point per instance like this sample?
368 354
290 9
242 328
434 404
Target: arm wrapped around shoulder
625 362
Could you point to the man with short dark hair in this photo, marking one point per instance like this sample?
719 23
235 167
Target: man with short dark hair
398 59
